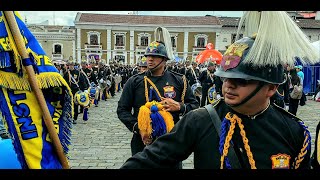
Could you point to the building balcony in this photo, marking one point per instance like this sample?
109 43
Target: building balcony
90 48
119 47
95 47
198 49
57 57
139 48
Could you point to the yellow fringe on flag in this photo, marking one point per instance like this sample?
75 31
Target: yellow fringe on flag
45 80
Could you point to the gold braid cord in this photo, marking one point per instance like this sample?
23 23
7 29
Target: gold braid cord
184 88
146 80
235 119
302 153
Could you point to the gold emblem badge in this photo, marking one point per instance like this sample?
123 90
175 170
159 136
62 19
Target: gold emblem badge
169 92
232 56
280 161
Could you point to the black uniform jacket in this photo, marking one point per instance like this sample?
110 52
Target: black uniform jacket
133 95
80 79
272 135
316 154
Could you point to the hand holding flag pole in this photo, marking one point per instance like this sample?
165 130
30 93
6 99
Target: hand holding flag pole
33 83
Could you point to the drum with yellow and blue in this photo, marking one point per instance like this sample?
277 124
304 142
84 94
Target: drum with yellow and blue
212 94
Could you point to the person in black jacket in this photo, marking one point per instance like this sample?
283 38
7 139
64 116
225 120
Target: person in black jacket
315 159
174 92
261 135
207 80
77 81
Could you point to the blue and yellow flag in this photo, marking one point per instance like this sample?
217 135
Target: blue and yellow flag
19 106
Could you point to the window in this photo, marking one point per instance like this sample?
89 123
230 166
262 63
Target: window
173 41
201 42
119 40
233 37
224 40
57 48
93 39
144 41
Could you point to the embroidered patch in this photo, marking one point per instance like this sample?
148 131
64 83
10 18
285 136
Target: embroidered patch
153 47
232 56
169 92
280 161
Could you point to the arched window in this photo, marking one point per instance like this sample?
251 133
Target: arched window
57 48
93 37
119 40
144 39
174 39
201 40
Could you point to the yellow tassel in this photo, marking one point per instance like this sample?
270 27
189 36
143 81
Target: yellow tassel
168 119
144 120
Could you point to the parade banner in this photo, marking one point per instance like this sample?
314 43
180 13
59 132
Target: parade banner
19 105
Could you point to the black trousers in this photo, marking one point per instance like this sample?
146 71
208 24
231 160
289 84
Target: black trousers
303 99
75 107
112 89
293 106
204 96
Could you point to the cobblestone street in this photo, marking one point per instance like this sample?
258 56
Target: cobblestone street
104 142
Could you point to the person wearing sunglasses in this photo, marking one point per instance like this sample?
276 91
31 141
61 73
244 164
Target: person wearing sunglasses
242 130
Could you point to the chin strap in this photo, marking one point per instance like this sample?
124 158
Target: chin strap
150 70
260 85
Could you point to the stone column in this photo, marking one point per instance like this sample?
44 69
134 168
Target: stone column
131 47
78 58
109 53
185 45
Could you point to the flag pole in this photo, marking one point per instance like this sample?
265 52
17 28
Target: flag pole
34 85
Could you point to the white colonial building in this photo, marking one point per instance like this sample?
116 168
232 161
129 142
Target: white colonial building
58 42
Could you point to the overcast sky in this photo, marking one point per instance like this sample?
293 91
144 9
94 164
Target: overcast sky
67 17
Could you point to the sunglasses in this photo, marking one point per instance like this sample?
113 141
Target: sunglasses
239 81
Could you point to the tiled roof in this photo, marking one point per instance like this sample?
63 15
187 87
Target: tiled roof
229 21
308 23
142 19
303 23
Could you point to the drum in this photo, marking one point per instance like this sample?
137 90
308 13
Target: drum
108 83
102 84
212 94
197 89
117 78
82 98
93 92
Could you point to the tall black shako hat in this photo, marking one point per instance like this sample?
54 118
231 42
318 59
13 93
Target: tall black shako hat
271 39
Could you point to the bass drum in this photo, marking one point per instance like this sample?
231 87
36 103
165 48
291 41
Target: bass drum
212 94
82 98
102 84
197 89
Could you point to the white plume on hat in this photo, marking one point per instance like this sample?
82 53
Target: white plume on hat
278 39
166 39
